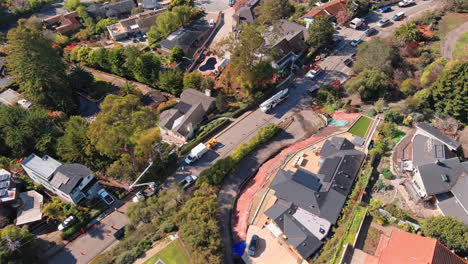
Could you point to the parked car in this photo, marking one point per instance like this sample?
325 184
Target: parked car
386 9
370 32
348 62
188 181
69 221
383 22
406 3
253 245
119 234
312 74
105 196
337 39
398 16
356 41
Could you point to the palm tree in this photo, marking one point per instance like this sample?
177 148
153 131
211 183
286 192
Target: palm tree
407 33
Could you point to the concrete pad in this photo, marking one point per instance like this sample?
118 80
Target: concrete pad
269 249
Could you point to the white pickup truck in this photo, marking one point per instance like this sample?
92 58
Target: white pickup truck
188 181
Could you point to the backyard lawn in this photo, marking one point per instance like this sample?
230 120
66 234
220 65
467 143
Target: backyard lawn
461 47
399 135
171 254
360 127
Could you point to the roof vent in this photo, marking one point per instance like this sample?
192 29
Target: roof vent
322 231
346 175
437 162
342 187
445 178
318 195
304 244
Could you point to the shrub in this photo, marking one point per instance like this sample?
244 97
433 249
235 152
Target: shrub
380 185
167 227
372 112
166 105
125 258
144 244
221 168
156 237
387 173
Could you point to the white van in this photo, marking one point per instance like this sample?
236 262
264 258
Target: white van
356 22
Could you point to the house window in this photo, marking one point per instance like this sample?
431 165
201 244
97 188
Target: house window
416 184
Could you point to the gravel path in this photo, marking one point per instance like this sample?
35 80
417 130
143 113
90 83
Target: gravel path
448 44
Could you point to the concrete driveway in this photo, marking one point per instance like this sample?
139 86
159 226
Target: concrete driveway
269 249
94 241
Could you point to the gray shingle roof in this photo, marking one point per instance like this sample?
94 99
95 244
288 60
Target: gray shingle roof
330 147
191 109
450 206
427 150
111 9
188 39
432 175
74 173
439 135
298 236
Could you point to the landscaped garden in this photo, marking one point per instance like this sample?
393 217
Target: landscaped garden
360 127
171 254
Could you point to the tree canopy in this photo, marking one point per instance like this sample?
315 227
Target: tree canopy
376 54
118 130
171 81
320 32
448 230
38 68
370 84
407 33
269 11
26 131
450 91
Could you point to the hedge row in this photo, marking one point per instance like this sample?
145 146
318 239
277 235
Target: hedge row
216 174
206 132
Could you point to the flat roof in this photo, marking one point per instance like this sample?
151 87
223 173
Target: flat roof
31 210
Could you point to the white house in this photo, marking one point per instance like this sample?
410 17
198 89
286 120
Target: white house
71 182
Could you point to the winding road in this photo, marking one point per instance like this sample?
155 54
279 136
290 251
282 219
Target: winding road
450 40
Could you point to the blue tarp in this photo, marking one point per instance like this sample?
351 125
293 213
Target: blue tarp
238 249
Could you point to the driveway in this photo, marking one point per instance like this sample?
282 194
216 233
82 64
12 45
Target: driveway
448 44
94 241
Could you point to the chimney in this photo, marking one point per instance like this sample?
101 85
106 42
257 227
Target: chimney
208 92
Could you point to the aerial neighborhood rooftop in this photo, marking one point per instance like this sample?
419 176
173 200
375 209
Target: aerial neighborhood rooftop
234 131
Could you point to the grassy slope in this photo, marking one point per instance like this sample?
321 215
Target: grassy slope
461 47
171 254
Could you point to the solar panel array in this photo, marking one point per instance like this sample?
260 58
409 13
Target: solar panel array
4 184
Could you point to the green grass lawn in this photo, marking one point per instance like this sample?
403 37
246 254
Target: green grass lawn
446 24
360 127
171 254
359 213
461 47
399 135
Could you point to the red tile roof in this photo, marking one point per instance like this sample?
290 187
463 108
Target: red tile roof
329 9
404 247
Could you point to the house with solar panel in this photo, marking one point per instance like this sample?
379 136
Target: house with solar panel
308 204
71 182
438 175
7 193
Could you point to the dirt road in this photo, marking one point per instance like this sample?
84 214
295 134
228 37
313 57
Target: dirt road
448 44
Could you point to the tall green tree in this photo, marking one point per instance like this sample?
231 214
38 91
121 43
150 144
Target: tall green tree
166 23
192 80
171 81
449 231
146 68
74 144
370 84
38 69
450 91
320 32
27 131
116 60
118 128
101 25
270 11
376 54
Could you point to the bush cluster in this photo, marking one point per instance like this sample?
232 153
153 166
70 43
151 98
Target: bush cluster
216 174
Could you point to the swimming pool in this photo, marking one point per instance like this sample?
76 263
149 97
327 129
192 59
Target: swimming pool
338 123
209 64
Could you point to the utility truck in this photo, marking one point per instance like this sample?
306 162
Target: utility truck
196 153
274 100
